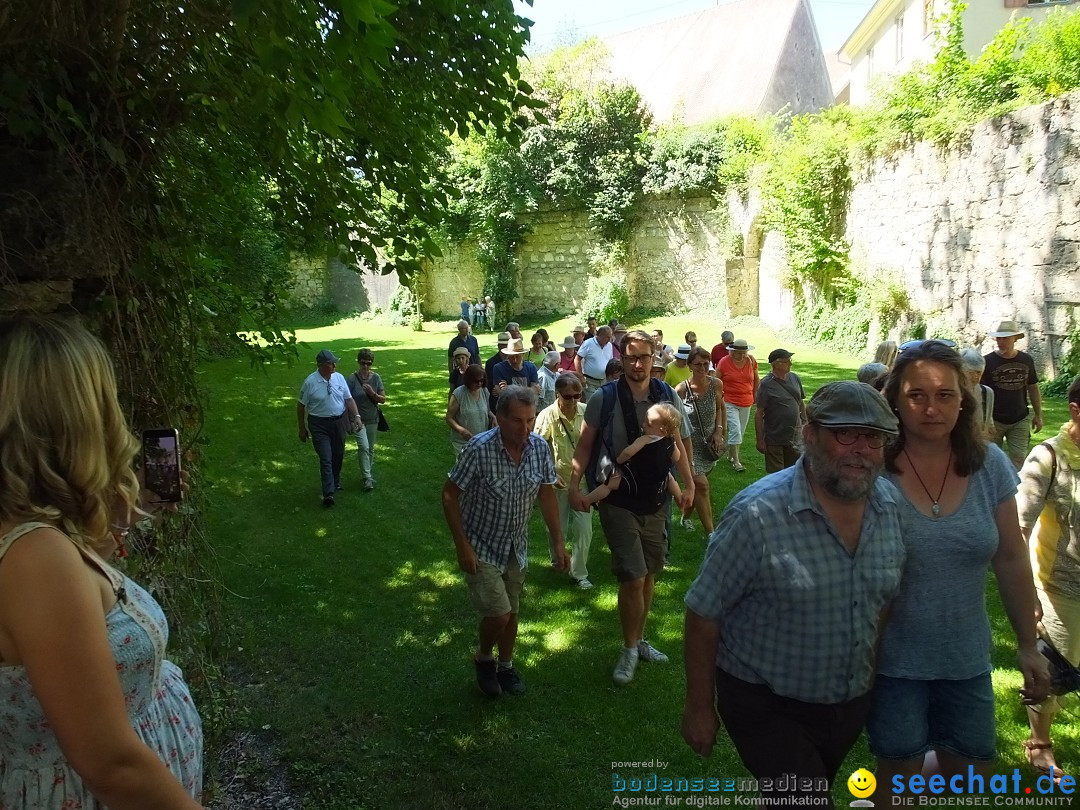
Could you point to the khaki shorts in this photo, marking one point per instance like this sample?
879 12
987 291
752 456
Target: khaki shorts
1014 438
638 543
494 592
779 457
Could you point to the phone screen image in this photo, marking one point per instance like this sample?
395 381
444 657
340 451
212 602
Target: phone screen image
161 465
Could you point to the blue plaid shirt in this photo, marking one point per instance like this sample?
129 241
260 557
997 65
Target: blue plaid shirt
497 494
796 610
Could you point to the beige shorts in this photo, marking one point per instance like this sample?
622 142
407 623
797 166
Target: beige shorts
1014 439
494 592
638 543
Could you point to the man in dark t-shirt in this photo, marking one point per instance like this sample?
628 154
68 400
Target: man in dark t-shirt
463 338
489 367
1011 374
780 414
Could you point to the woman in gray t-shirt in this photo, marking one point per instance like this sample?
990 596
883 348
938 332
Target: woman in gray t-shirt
368 394
933 691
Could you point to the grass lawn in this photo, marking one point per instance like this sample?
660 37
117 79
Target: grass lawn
352 631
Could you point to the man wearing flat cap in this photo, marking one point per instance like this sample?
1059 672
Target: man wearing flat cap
321 411
780 413
784 616
1011 374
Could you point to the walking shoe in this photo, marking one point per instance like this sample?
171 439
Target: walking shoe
624 669
510 681
647 652
487 678
369 485
687 524
338 487
584 584
328 501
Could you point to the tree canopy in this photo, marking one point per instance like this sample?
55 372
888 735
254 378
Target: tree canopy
150 138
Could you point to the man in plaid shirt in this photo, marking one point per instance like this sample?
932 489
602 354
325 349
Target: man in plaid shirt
784 617
487 501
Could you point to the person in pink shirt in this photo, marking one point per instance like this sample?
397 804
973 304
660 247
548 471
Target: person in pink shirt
738 371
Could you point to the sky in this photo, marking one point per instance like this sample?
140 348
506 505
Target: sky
558 21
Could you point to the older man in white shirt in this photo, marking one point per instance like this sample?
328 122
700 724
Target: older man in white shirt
592 359
324 405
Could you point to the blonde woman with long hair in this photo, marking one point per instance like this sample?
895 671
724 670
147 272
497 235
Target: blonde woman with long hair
93 714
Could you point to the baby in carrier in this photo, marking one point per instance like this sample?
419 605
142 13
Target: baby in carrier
644 467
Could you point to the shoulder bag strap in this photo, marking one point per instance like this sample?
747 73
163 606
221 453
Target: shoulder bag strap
566 430
697 411
1053 467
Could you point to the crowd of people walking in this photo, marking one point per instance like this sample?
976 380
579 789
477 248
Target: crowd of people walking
842 591
818 608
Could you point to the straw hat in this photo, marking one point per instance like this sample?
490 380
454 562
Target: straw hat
1007 329
514 346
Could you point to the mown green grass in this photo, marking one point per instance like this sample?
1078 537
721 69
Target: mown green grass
352 632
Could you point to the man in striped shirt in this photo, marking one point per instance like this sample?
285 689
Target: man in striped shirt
487 501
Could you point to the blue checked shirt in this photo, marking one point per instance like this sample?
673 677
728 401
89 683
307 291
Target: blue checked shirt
497 494
796 610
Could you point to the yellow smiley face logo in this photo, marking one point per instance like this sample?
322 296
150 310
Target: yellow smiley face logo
861 783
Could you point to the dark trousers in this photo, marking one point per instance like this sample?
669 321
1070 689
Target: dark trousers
779 737
328 439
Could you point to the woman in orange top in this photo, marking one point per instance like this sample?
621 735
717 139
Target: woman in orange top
738 371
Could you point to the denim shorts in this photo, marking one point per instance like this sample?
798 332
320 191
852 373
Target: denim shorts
909 717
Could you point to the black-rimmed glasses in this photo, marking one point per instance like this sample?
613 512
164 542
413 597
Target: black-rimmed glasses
874 439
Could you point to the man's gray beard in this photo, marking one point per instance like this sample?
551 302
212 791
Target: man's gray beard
826 473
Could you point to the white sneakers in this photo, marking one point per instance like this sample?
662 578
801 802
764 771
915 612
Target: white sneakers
647 652
628 661
626 667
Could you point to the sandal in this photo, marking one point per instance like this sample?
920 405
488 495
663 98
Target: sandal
1053 771
738 467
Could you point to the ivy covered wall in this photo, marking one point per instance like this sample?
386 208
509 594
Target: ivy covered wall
982 231
678 253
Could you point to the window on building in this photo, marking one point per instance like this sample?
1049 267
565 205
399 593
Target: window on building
927 17
898 23
870 63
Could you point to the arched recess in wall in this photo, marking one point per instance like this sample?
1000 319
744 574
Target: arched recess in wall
764 260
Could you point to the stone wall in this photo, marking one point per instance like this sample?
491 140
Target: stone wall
677 257
310 281
983 232
334 284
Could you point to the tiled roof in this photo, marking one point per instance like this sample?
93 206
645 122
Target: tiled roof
722 60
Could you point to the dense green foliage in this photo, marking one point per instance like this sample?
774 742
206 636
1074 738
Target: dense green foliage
164 160
712 157
941 101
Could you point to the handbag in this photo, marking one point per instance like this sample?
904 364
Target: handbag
711 452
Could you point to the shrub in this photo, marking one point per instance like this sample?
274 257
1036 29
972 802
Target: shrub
402 307
606 297
1068 363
